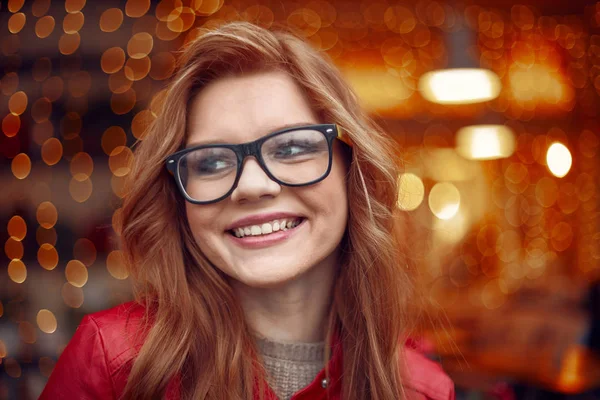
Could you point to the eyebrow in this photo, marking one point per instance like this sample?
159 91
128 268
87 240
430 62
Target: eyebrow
268 130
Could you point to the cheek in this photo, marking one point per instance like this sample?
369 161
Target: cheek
201 220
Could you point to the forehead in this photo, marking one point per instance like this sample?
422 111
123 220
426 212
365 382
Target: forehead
244 108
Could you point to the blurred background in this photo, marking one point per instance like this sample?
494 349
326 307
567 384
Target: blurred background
495 105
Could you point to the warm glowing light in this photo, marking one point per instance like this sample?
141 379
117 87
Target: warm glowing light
73 22
13 249
74 5
15 5
46 321
140 45
44 26
118 82
52 151
17 228
444 200
81 190
120 161
559 159
76 273
69 43
389 91
411 191
460 86
570 379
115 263
207 7
111 20
141 122
81 166
47 256
11 124
17 271
537 83
40 7
47 215
41 110
137 8
112 138
485 142
17 103
16 22
21 166
137 68
72 295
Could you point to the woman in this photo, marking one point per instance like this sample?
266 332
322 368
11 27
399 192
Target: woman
260 230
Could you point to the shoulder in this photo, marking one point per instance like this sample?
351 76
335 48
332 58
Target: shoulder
95 362
119 329
426 377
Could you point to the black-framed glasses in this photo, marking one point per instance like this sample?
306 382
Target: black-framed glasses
297 156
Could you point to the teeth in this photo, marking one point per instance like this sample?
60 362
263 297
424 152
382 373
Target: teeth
266 228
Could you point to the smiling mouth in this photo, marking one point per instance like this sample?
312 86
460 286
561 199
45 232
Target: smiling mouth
267 228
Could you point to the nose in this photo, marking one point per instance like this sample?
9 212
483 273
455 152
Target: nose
254 184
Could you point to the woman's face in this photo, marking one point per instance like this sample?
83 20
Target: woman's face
242 109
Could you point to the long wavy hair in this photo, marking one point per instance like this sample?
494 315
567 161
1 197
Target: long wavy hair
195 327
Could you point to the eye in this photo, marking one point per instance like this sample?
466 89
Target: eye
294 148
210 162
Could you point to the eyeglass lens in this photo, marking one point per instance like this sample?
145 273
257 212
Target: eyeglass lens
294 157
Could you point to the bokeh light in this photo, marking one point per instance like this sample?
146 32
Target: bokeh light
411 191
76 273
52 151
111 20
485 142
46 321
115 263
17 271
21 166
81 190
47 256
44 26
17 103
136 8
47 215
17 228
120 161
444 200
460 86
140 45
13 249
73 22
16 22
559 159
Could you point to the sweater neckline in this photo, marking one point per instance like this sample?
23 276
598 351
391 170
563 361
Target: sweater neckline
291 351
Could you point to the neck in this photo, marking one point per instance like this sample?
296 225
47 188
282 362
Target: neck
294 311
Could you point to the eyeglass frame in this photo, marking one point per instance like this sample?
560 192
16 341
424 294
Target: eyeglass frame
243 150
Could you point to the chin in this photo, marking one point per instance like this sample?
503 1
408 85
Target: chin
266 279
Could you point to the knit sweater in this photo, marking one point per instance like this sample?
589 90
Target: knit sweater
290 366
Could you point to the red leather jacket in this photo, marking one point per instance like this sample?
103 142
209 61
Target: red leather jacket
96 363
